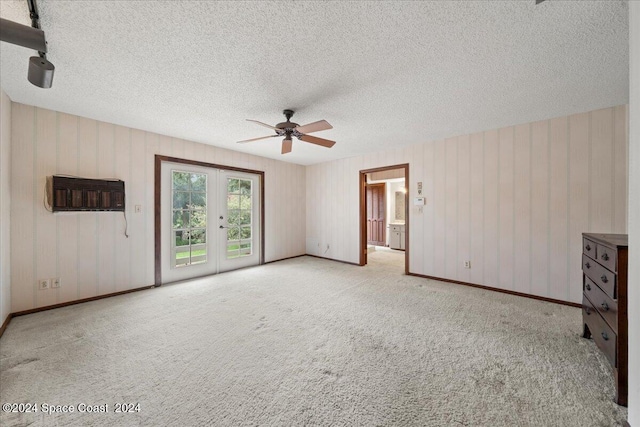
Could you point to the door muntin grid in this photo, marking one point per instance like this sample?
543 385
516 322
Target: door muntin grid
239 241
188 218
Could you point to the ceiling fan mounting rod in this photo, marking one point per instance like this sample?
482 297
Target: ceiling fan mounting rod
288 126
288 114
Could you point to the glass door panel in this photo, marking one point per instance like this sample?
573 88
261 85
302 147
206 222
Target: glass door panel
240 196
187 204
189 197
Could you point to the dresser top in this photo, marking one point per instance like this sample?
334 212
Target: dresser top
618 240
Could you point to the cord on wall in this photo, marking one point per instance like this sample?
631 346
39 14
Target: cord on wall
124 213
46 201
126 224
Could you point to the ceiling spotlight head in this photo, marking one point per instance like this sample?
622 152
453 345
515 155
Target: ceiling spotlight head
40 72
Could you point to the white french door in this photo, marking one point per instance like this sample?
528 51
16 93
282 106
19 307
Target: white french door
210 221
239 220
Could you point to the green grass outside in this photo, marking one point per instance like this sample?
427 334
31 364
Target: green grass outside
181 255
200 252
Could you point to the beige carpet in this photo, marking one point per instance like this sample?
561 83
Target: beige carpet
310 342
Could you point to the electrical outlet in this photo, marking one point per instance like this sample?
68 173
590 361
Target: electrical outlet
55 282
138 209
467 264
43 284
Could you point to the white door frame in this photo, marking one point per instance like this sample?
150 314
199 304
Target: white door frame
159 160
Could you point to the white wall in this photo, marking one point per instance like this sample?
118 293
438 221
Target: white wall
89 251
634 214
5 200
513 201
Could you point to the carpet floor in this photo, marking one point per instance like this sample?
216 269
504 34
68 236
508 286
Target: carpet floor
308 341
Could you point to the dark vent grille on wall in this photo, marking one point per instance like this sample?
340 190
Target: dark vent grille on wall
84 194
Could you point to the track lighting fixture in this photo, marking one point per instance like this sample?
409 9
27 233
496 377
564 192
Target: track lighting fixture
40 69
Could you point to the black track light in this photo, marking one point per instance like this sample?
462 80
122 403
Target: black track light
40 69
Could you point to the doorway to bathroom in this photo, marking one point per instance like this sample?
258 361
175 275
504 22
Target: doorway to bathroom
384 219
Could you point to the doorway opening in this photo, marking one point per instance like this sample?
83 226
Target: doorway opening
384 216
208 219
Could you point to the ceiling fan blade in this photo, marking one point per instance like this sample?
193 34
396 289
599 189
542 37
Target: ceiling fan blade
263 124
286 146
314 127
255 139
319 141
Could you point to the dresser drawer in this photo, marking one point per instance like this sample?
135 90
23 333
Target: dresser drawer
602 277
589 248
607 307
601 333
607 257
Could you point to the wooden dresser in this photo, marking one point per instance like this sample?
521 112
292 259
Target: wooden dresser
604 301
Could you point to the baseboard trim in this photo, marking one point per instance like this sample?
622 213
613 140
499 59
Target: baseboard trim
283 259
457 282
79 301
5 324
504 291
335 260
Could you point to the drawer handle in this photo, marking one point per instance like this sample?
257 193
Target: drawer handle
605 336
587 265
605 256
588 286
604 279
605 306
588 311
588 247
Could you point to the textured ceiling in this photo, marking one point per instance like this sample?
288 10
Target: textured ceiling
383 73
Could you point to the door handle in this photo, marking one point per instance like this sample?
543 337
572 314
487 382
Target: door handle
222 226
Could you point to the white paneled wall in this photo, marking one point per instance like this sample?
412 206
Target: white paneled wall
89 251
513 201
5 203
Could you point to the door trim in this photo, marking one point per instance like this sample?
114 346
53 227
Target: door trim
363 212
159 159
